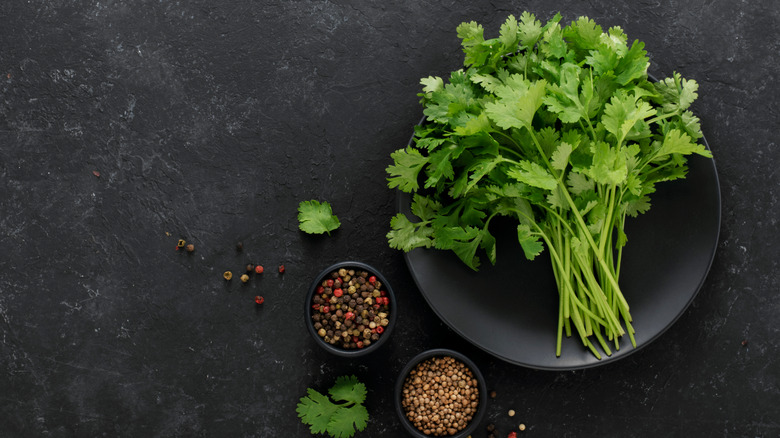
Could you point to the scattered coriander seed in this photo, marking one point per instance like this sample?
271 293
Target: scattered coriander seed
190 247
511 412
244 278
227 275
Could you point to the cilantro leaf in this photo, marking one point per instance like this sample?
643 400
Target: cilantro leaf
348 389
403 174
533 174
317 218
677 93
517 104
530 243
347 420
406 235
339 420
316 411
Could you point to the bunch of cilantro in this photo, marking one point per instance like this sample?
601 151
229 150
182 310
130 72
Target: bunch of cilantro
559 128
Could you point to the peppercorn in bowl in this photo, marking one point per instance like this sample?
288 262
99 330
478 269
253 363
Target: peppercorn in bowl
440 393
350 309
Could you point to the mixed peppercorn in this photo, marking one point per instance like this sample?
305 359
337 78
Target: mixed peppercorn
350 309
440 396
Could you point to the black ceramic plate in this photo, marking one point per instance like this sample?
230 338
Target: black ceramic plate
511 310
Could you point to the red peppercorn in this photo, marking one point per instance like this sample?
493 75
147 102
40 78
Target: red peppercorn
376 306
326 309
512 434
372 279
258 269
355 339
338 292
349 315
281 269
259 299
320 290
359 344
382 293
329 282
315 306
380 329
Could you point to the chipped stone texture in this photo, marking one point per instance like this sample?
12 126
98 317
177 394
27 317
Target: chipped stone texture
210 121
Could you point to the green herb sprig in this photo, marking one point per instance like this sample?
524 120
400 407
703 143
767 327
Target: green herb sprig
316 217
559 128
339 418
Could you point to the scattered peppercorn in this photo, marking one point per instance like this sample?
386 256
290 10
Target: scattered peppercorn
491 427
511 412
493 394
181 243
521 427
239 246
512 434
259 299
744 342
281 269
440 396
190 247
250 267
227 275
244 278
258 269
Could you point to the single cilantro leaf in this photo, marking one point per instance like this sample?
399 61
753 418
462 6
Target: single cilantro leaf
584 34
339 420
347 420
560 158
403 174
508 34
677 93
633 65
530 243
533 174
579 183
609 165
529 29
432 84
405 235
424 207
678 142
472 37
317 218
517 104
316 410
348 389
463 241
622 112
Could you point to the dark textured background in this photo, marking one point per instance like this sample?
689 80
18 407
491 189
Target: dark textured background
211 120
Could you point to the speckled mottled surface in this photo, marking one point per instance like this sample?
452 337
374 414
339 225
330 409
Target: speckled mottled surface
210 121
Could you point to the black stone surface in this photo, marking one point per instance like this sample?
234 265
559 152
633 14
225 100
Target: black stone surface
210 121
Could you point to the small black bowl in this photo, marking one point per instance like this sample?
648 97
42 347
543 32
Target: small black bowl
441 352
392 314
